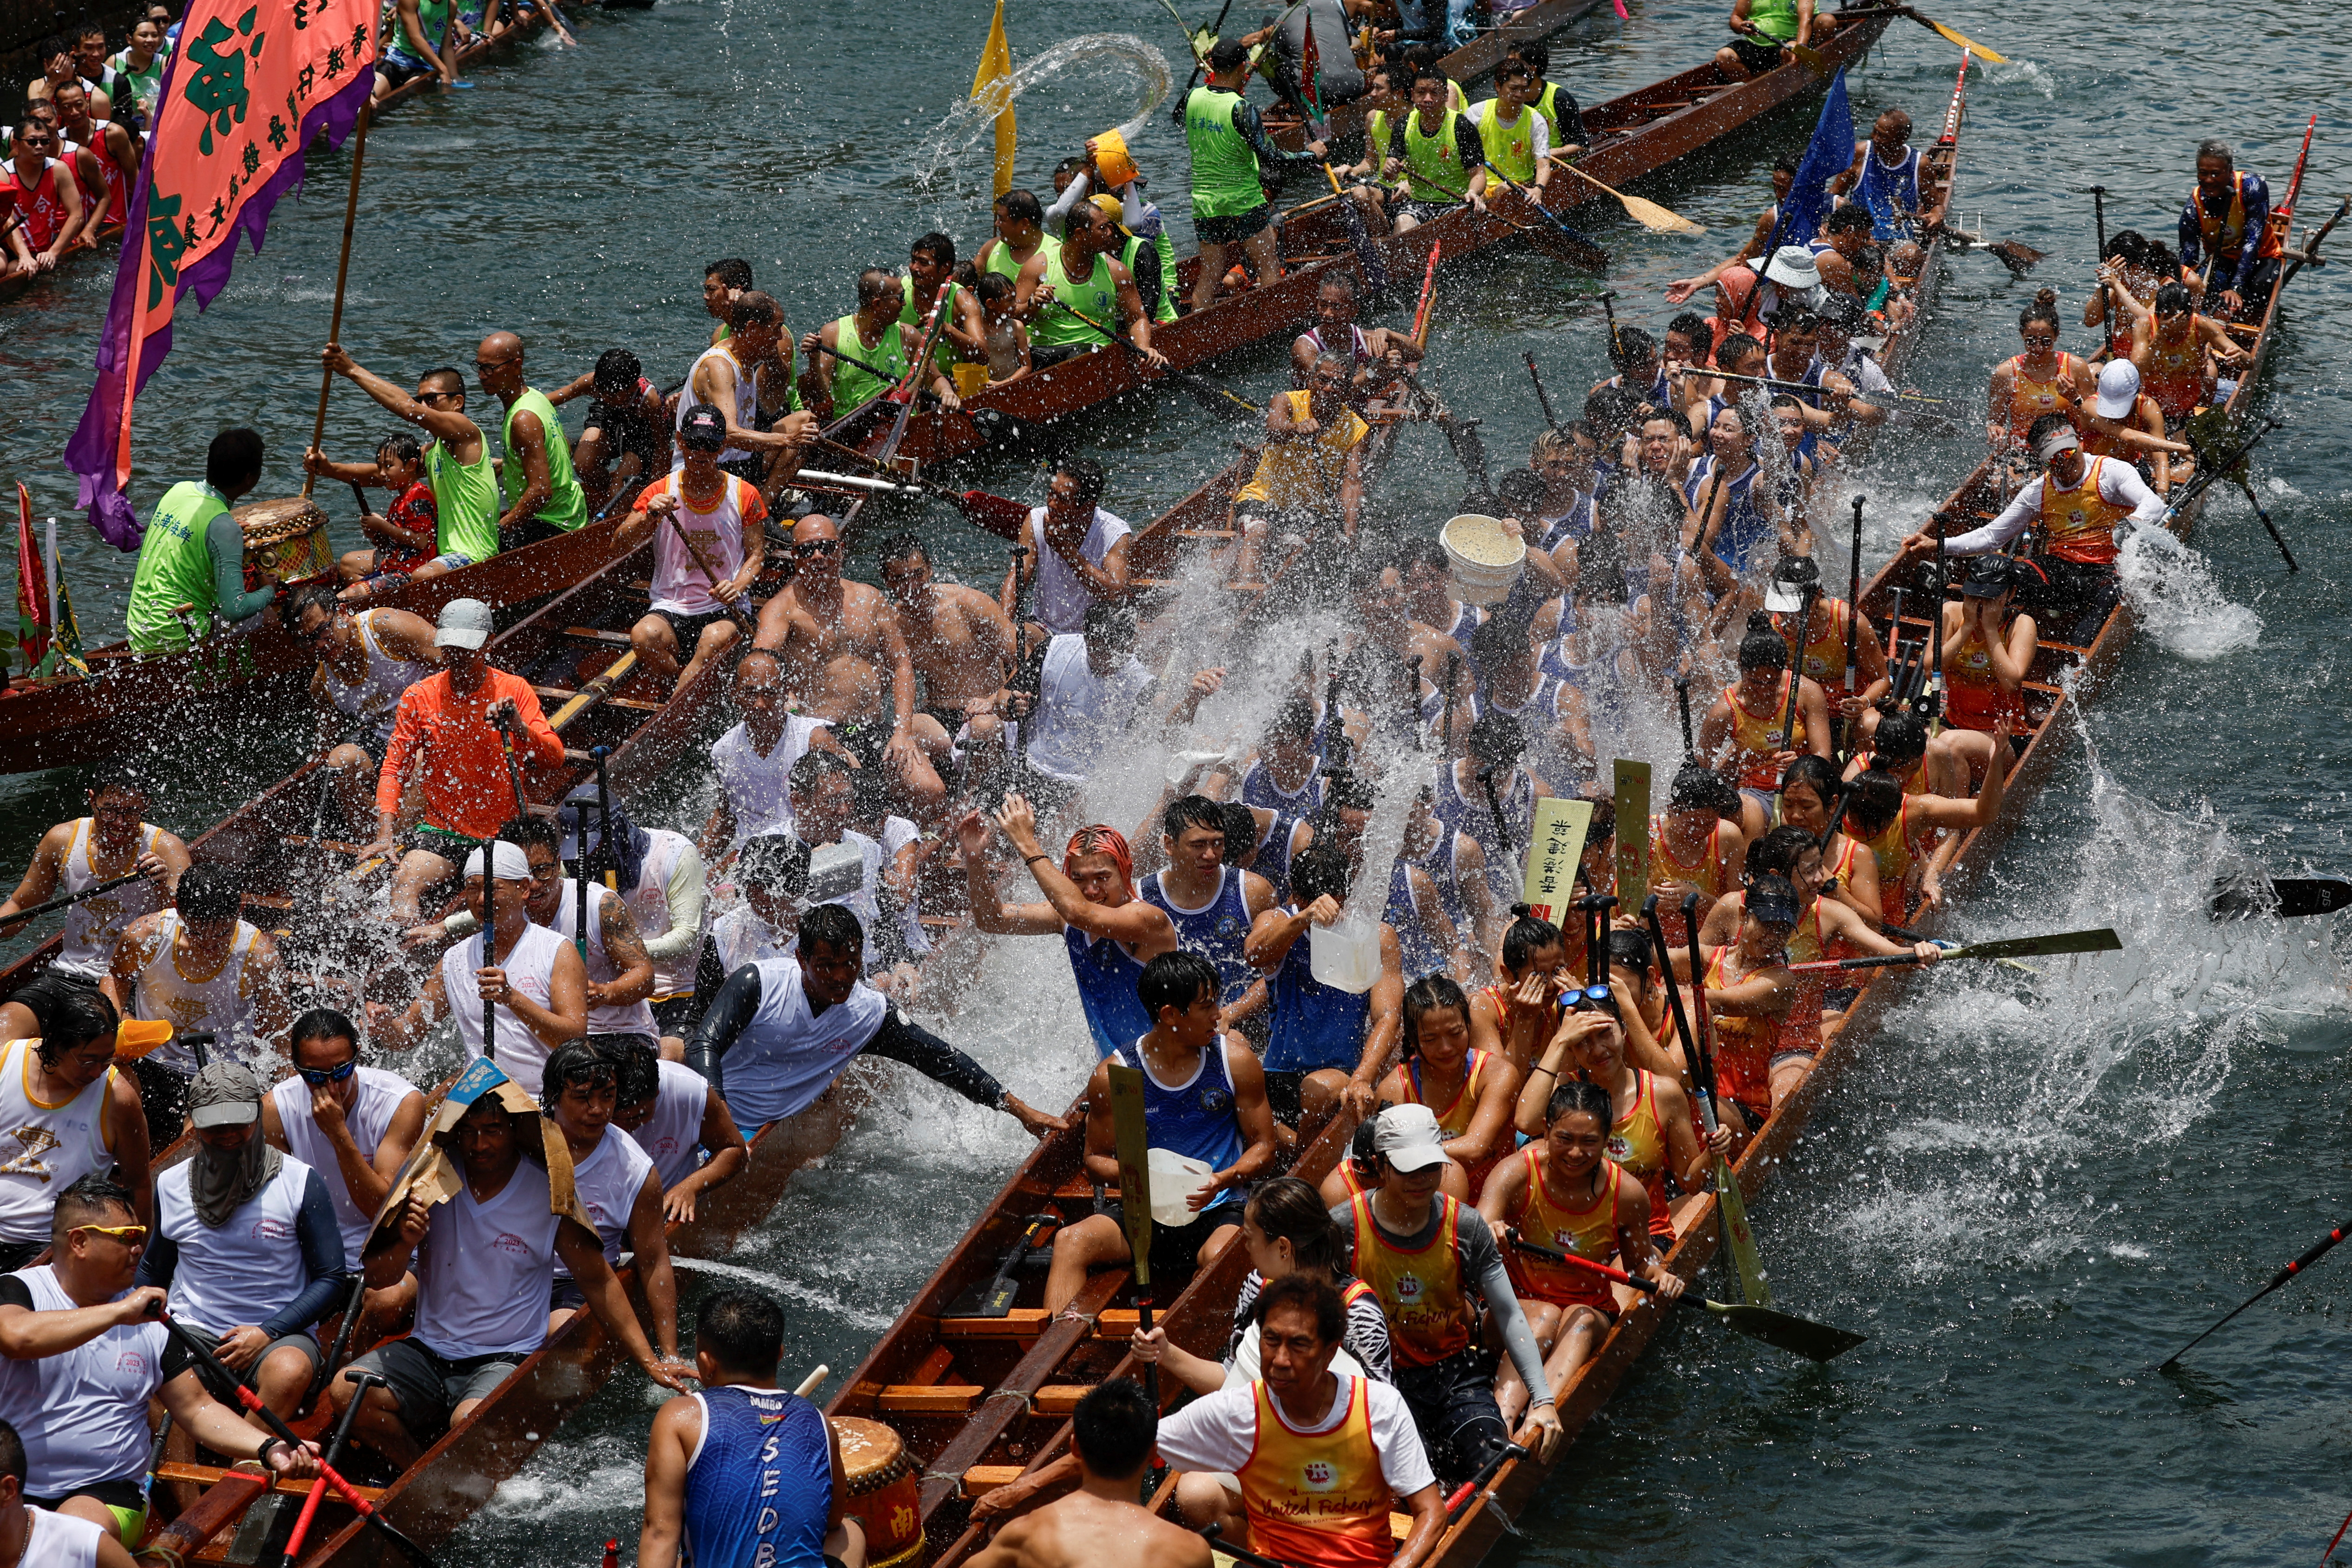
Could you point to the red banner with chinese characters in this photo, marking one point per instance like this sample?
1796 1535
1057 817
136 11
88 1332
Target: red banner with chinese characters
250 87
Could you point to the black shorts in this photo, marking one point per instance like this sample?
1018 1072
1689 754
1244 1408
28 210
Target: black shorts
1838 998
1045 356
177 1359
1176 1249
529 530
1757 56
1422 212
2074 598
688 628
752 469
15 1255
428 1386
1231 230
451 846
1453 1403
564 1295
1282 1095
397 69
677 1014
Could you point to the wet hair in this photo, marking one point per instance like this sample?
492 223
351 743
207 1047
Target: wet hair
70 1013
903 544
1522 491
2043 307
1514 67
319 597
754 310
1499 640
233 462
527 833
452 379
732 273
320 1024
637 1069
1320 869
1498 737
1693 329
1633 348
1737 347
1426 552
2172 299
811 768
1576 1095
2128 244
993 287
1847 218
580 1063
1364 1149
1603 825
2045 425
1228 56
935 244
91 1196
1762 650
1177 979
1314 1293
115 773
1901 737
1611 412
1241 830
1632 949
834 927
1874 802
1348 791
742 1330
1088 475
2214 147
1021 206
1775 854
876 284
1601 569
209 893
1288 1209
1109 622
1430 73
1114 1429
1191 810
402 446
775 862
1534 53
1698 787
1818 774
1428 994
1526 933
1340 282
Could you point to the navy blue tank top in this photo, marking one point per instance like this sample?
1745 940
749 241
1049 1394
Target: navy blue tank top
1272 860
1195 1120
1259 789
1106 973
1473 816
1215 933
759 1486
1418 949
1315 1026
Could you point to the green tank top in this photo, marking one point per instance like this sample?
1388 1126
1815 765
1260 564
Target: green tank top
1001 261
943 349
174 567
1153 264
464 502
433 21
1094 296
1433 165
854 385
1510 149
1225 170
566 505
1775 18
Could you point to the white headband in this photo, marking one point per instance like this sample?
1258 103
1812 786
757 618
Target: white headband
509 863
2059 440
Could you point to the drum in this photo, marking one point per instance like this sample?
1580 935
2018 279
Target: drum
285 540
885 1495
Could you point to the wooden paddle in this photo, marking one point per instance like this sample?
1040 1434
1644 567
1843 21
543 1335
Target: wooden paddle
1567 244
2100 940
2310 1257
1128 1136
1951 33
1633 783
1648 214
13 922
813 1381
2281 897
1781 1331
595 691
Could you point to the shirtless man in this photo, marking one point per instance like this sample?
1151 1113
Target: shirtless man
961 643
834 637
748 379
1112 1432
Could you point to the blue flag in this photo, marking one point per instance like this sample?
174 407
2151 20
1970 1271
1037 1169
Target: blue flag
1827 155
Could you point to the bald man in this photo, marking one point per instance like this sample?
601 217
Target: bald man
541 497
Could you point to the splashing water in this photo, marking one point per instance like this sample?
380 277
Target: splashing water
2172 590
968 122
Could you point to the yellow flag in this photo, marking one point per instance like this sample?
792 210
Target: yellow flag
992 87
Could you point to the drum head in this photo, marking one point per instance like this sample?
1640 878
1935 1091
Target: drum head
868 1448
270 521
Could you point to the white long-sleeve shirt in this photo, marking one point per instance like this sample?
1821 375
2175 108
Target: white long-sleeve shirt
2119 483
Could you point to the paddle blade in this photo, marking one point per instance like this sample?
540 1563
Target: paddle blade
1753 1284
1787 1332
2101 941
995 513
1960 39
2283 898
1128 1137
2018 258
1658 219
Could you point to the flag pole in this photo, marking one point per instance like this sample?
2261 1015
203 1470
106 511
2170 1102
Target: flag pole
342 271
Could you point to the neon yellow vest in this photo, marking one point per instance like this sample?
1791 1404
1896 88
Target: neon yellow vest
465 502
174 567
1433 165
854 385
566 505
1510 149
1094 297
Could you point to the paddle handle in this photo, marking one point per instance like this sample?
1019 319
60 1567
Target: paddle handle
1874 961
1646 1287
72 899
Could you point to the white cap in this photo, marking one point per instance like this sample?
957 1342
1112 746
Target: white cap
2059 440
509 863
1409 1138
1792 266
465 623
2118 389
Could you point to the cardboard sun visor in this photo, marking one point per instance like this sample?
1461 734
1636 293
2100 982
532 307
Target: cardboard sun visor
433 1170
135 1037
836 871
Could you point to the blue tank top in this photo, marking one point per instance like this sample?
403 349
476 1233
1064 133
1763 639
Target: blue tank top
1442 864
1746 533
1477 818
1892 194
1215 933
1106 973
1195 1120
761 1482
1416 948
1315 1026
1259 789
1272 860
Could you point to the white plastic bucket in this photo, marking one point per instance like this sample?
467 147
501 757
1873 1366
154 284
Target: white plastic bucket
1486 561
1174 1179
1345 956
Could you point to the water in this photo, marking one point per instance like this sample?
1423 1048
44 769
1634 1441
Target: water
2027 1191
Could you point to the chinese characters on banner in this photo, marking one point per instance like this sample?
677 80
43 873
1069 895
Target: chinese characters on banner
1553 849
252 85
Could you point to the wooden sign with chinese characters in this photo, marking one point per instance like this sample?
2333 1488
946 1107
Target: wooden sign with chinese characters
1553 850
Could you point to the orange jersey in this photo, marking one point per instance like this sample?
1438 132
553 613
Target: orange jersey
1744 1047
1824 655
2030 399
1637 1140
1454 1118
2175 372
2099 444
1319 1497
1711 873
1974 698
467 787
1551 1220
1421 1290
1900 850
1757 737
2078 523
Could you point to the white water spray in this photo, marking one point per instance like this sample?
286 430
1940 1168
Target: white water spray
1124 53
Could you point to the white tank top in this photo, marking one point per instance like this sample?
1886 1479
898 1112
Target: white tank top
530 967
747 396
243 1270
784 1059
680 586
221 1001
373 698
741 937
369 1118
94 925
44 1147
82 1413
608 1181
483 1269
672 1139
59 1540
650 903
638 1017
755 785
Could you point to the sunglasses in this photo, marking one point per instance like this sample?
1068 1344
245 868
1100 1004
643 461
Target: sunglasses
1586 994
493 364
318 1078
129 1234
817 547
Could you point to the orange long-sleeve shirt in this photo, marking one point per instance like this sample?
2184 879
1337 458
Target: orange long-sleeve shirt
465 776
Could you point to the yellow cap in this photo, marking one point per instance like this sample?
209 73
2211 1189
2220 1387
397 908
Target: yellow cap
136 1036
1110 207
1112 157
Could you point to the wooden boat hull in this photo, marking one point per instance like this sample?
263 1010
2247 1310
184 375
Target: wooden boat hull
472 54
1657 124
132 700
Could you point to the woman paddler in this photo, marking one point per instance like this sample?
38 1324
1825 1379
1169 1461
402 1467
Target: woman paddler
1694 844
1989 648
1809 791
1469 1090
1566 1194
1515 1014
2043 379
1762 1015
1900 829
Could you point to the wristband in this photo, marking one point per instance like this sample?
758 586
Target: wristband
261 1455
1041 855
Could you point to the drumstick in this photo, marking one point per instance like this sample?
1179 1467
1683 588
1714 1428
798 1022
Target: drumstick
809 1383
